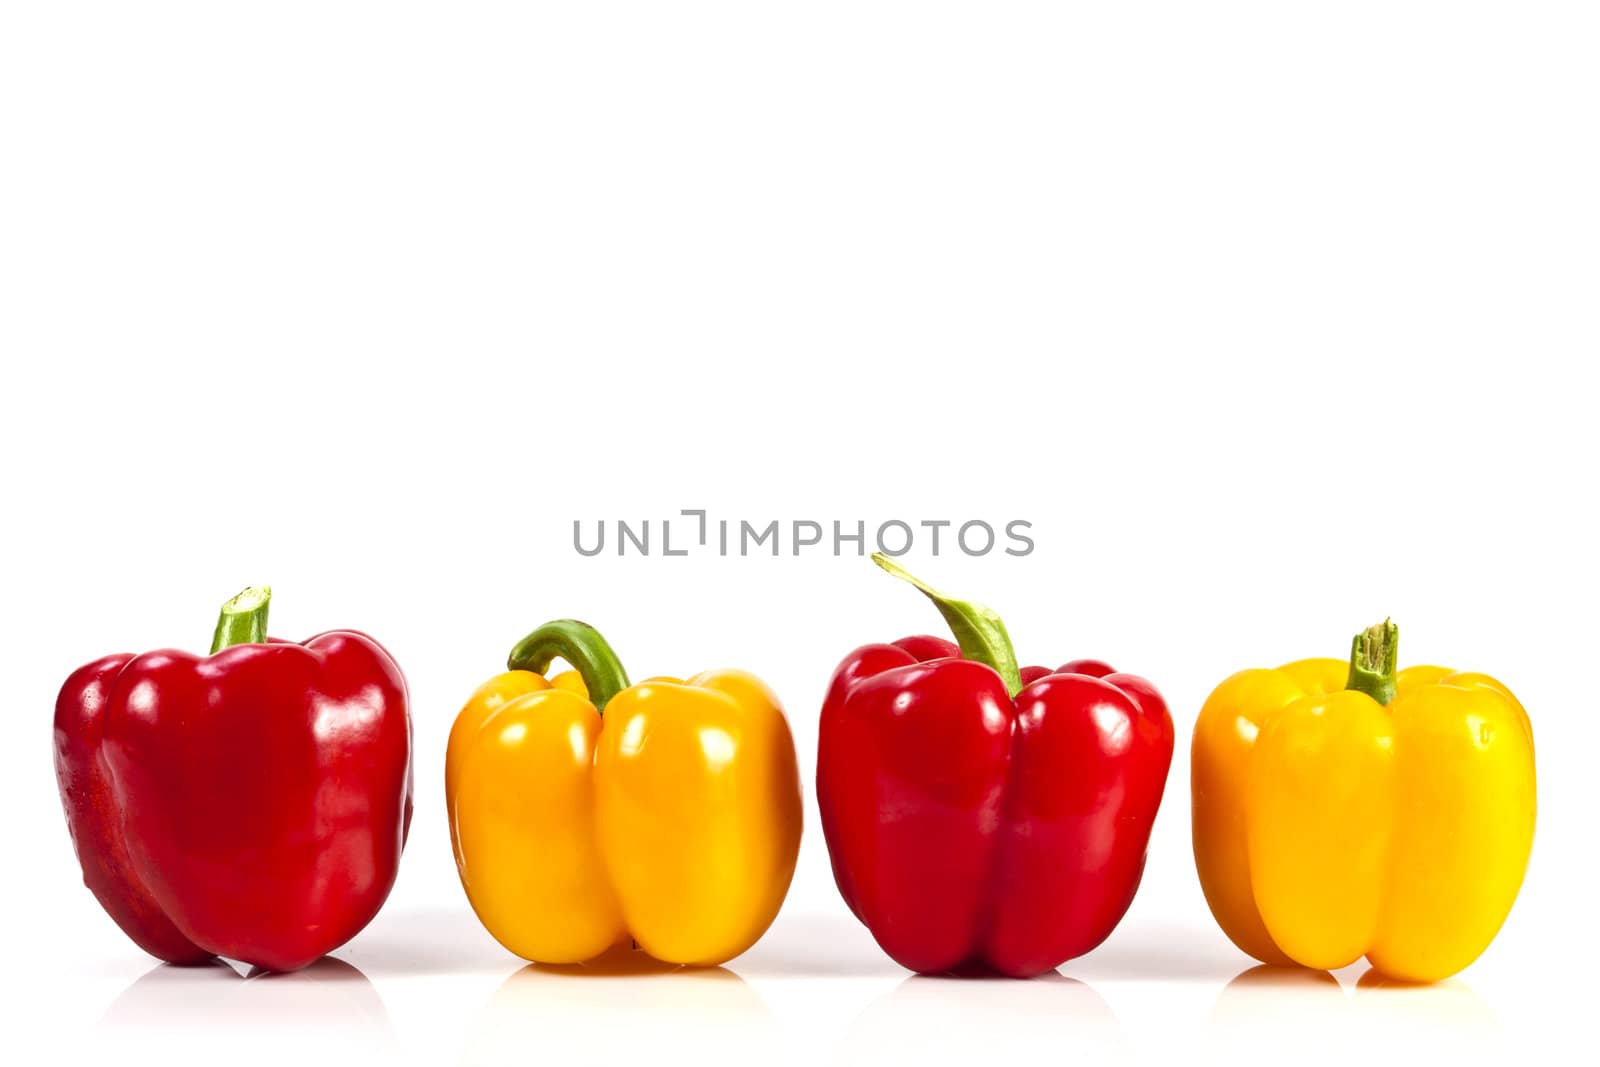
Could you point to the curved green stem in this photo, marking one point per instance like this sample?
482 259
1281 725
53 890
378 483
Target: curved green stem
1373 655
580 645
243 620
979 631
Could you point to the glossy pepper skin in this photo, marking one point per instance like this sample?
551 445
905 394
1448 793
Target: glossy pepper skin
1347 810
250 804
666 812
987 817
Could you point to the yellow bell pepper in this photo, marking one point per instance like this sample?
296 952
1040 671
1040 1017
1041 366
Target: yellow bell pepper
1344 810
667 812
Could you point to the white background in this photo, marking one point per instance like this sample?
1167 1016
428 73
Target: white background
1273 318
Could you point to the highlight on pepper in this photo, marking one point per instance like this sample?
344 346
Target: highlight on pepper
1346 809
983 814
250 804
586 812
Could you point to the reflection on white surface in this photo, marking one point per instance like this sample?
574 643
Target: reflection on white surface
986 1019
1278 1010
191 1012
1271 1011
622 1008
1448 1017
817 990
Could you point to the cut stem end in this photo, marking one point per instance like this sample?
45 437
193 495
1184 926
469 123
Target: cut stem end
1374 652
243 620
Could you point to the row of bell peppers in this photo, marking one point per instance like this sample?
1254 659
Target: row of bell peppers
253 803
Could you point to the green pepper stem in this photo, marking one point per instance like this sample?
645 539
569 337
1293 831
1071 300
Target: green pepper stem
978 630
580 645
1373 655
243 620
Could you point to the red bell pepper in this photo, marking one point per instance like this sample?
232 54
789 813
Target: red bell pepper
251 804
982 815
